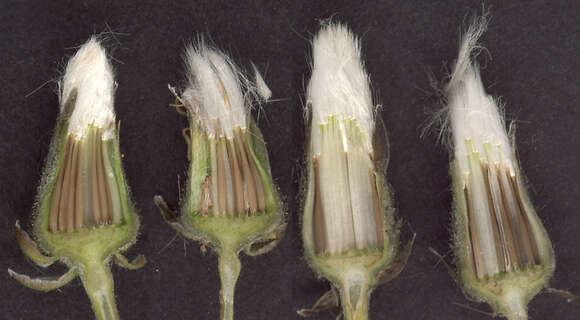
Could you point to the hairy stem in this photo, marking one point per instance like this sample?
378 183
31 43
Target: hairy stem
98 282
229 268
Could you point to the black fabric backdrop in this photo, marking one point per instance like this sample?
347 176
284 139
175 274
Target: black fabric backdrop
534 47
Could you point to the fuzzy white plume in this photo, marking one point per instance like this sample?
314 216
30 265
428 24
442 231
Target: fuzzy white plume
214 93
339 84
91 75
473 114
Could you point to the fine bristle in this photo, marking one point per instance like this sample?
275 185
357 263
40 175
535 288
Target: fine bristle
214 93
261 87
89 75
339 84
473 114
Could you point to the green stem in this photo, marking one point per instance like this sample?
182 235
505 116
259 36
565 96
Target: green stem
516 306
229 268
354 298
98 282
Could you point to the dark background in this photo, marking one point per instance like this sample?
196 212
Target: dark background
534 45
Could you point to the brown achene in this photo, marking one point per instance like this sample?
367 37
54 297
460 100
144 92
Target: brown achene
82 194
236 166
319 228
514 241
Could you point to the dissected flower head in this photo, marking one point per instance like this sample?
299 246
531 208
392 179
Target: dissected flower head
231 202
504 254
349 231
84 216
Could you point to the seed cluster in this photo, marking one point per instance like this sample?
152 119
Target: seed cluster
499 203
347 210
234 184
85 191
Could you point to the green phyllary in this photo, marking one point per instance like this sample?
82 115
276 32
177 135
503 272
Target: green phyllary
83 216
231 203
349 229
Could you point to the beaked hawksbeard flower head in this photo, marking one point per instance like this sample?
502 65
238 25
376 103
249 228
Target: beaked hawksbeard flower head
231 202
504 254
84 215
350 235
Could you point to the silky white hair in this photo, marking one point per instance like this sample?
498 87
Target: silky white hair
473 114
216 91
90 74
339 84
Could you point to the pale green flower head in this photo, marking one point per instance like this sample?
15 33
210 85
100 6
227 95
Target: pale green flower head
504 255
84 216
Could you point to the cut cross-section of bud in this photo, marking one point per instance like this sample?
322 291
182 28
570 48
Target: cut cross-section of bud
84 216
85 193
231 202
232 169
346 198
504 255
499 226
348 225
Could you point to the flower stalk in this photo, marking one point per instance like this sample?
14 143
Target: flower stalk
98 281
84 216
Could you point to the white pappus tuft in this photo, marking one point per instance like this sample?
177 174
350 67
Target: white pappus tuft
473 114
339 84
216 94
90 74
